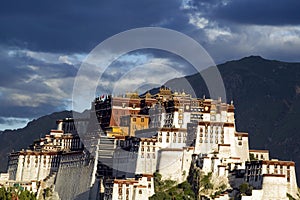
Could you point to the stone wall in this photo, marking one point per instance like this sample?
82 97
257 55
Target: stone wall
174 164
74 180
274 187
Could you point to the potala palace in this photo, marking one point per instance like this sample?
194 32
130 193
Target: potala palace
115 153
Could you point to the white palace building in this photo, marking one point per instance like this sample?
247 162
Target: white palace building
202 131
136 136
58 162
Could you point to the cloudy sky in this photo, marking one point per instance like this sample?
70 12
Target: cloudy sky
43 43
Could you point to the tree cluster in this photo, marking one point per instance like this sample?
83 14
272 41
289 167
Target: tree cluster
169 190
16 193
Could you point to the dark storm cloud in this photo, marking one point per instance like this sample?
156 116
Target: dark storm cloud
148 60
39 41
52 105
78 26
11 121
15 71
31 87
259 12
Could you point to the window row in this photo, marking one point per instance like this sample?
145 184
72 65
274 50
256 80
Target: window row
174 140
148 155
211 135
174 134
148 149
216 141
217 130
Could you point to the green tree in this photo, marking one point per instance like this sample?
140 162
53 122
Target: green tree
205 181
168 190
246 189
3 193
